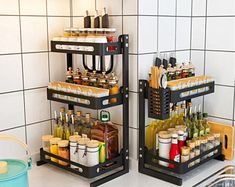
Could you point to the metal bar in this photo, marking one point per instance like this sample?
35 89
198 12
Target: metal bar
70 64
142 92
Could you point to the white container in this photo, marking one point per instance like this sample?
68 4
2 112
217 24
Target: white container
92 153
74 149
164 139
82 159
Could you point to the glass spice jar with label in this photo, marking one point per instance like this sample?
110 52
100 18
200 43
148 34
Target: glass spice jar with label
203 147
69 75
103 81
63 151
185 151
113 87
85 78
191 145
54 147
210 144
93 79
197 149
77 76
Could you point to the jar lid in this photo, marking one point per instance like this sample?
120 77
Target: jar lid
46 138
83 30
210 137
191 144
197 142
74 138
164 134
217 135
92 144
203 140
83 141
55 140
185 150
63 143
171 130
67 29
3 167
73 29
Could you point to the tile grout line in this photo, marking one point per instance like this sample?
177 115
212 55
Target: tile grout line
22 66
48 56
191 31
176 4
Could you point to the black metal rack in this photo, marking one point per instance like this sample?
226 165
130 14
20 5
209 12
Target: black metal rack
98 49
159 108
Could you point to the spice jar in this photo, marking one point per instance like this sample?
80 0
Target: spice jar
185 151
197 150
82 159
113 87
203 147
67 32
178 72
54 147
46 144
63 151
92 153
191 145
217 141
102 81
74 149
93 79
110 38
164 139
77 77
210 144
85 78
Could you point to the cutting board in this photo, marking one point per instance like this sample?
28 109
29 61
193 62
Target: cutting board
226 137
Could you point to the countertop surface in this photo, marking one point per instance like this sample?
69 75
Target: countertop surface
50 176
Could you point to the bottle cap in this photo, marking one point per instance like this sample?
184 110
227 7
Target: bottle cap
63 143
191 144
46 138
3 167
79 113
62 109
180 132
174 135
164 134
55 140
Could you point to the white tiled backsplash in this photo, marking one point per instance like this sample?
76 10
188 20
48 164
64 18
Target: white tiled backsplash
199 29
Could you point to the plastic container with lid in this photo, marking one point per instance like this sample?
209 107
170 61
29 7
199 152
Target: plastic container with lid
164 139
54 147
82 159
74 149
46 143
63 151
92 153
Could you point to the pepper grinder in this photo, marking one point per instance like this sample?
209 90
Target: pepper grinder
105 19
87 20
97 20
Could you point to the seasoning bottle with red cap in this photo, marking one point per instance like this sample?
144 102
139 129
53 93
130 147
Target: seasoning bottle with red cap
174 151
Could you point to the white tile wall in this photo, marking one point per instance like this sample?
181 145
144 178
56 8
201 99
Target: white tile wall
218 8
183 33
10 7
113 7
167 7
148 7
199 7
36 7
220 33
79 7
11 32
36 73
58 9
198 33
130 7
184 7
34 34
11 72
198 61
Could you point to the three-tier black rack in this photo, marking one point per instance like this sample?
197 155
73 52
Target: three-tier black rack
118 166
159 108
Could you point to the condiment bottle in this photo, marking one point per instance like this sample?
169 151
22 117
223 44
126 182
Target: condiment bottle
164 139
174 151
103 83
63 151
85 78
46 144
185 151
184 71
69 75
217 141
178 72
191 70
54 147
113 87
74 149
181 139
93 79
77 77
88 124
197 149
205 124
92 153
191 145
79 123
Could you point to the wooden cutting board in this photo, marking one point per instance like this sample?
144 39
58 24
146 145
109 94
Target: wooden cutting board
226 137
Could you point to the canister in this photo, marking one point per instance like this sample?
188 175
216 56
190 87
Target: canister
46 143
92 153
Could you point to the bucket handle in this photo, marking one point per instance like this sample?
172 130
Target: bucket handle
21 143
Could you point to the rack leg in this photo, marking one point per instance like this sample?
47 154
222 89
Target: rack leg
40 163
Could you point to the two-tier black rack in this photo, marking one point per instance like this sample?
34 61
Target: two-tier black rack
159 108
118 166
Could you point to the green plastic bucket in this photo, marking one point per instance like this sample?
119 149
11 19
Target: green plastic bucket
17 170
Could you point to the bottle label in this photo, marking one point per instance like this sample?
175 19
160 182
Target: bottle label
177 158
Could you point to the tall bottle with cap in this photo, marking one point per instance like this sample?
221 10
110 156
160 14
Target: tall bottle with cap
88 124
56 125
174 151
79 121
